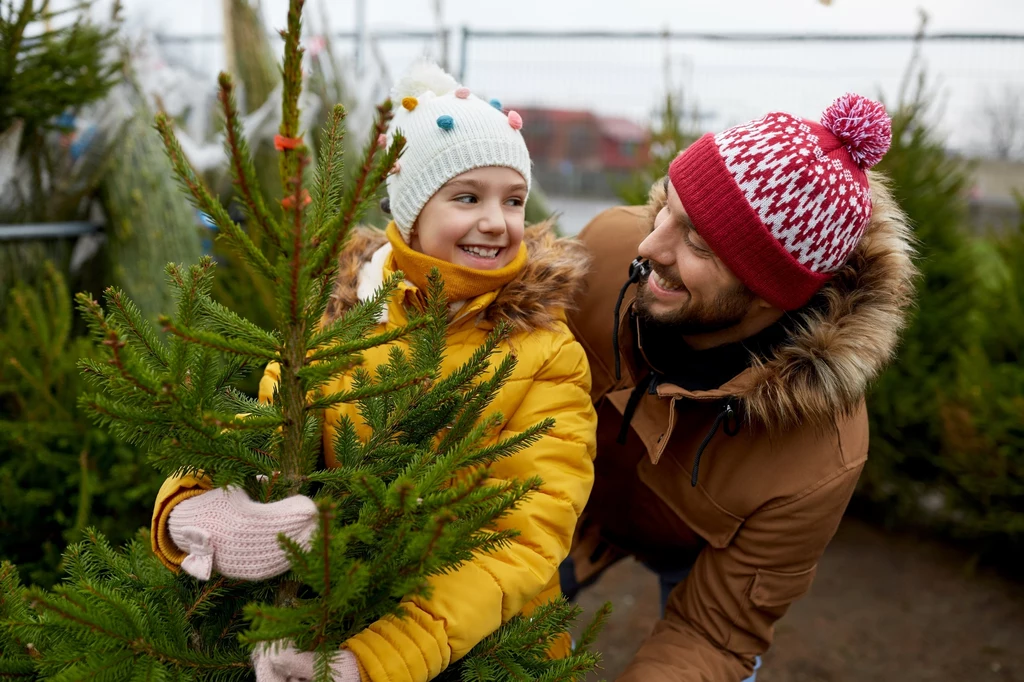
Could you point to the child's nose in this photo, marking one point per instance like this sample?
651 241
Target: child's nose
493 219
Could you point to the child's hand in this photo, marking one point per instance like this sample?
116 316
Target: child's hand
283 663
223 529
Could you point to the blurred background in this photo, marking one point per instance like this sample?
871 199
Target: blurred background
923 581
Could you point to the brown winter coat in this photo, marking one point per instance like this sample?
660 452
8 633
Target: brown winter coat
768 499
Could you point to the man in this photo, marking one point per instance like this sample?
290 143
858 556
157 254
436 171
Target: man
773 276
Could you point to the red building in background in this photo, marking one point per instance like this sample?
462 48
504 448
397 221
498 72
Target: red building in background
579 152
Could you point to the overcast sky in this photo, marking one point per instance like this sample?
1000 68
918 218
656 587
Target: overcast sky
187 16
729 82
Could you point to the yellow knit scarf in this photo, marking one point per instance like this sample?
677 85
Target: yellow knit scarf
460 283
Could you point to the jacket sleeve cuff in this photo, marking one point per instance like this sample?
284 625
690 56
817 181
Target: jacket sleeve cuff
363 674
173 491
410 649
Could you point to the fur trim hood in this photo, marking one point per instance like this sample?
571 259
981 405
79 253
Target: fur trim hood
846 335
536 299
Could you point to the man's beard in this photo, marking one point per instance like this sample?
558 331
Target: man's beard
691 319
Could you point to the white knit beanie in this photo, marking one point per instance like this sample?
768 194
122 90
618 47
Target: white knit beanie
448 131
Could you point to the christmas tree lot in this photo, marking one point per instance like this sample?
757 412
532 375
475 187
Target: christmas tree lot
413 500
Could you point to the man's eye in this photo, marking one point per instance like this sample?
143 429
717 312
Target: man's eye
700 250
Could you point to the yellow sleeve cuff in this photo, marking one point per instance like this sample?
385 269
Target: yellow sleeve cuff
173 491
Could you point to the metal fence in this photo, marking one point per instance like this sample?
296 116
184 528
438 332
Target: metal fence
387 50
726 77
730 78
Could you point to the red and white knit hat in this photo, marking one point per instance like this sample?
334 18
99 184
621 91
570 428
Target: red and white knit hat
784 201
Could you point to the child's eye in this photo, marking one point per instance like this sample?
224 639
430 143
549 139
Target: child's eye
515 201
466 199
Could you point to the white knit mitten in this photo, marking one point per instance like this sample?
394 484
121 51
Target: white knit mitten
225 530
281 662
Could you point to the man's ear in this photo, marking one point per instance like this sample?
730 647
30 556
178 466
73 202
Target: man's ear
762 305
764 312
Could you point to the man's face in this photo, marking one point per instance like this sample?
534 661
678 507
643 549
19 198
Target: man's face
689 290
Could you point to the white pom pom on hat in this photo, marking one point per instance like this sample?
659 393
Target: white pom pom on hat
422 77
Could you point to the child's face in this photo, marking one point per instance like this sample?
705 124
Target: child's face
476 219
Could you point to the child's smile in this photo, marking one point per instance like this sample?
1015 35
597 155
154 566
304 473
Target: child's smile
488 255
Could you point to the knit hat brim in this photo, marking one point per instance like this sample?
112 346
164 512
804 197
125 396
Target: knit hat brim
452 161
732 229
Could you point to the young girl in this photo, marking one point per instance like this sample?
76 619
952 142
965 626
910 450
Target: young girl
458 199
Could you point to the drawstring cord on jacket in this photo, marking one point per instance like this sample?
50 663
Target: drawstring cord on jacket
631 405
730 430
638 269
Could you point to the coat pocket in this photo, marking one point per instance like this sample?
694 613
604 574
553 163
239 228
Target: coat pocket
772 589
695 506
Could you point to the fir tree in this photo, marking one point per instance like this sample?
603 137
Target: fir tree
59 472
53 63
411 501
149 222
676 130
906 402
44 74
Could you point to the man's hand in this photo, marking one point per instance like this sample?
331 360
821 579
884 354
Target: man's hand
223 529
280 662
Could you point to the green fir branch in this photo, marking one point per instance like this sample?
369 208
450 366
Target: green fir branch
589 635
216 341
477 400
127 316
360 319
297 270
330 173
508 446
363 393
225 321
242 169
41 389
192 286
93 315
134 376
343 350
201 199
372 174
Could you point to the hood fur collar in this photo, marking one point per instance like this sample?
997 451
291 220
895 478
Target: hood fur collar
846 335
535 299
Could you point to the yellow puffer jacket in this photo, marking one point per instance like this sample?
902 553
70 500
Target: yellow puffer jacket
551 379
